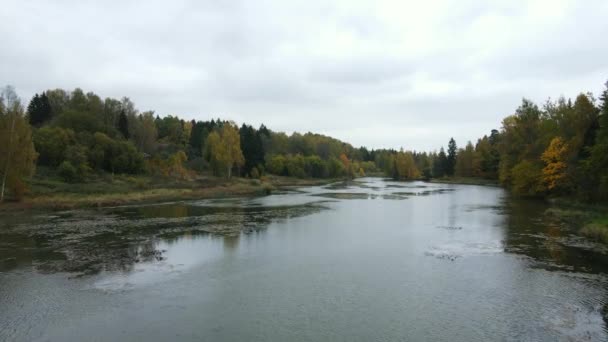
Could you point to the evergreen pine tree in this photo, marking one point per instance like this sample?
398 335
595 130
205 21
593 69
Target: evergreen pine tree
123 124
39 110
451 158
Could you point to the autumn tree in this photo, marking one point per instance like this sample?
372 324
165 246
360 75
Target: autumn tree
223 149
405 166
175 164
521 139
555 176
347 165
424 164
233 156
486 158
465 160
145 133
17 154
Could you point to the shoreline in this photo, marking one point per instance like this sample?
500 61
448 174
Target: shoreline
217 188
465 181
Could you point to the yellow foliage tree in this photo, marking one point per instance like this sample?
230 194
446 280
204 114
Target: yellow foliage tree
211 150
224 149
554 174
176 164
347 165
17 153
405 166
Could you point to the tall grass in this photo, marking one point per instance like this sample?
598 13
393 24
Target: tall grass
597 230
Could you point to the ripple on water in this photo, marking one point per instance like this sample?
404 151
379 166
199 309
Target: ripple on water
455 250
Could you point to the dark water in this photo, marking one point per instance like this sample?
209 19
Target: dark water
368 261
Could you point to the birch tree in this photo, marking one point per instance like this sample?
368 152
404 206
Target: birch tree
223 149
17 153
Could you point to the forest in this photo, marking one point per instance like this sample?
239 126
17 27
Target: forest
557 149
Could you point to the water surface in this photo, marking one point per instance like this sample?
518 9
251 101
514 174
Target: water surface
360 261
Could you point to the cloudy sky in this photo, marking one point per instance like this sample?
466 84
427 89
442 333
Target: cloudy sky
376 73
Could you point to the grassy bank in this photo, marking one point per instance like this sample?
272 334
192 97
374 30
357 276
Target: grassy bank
597 229
466 181
592 220
102 190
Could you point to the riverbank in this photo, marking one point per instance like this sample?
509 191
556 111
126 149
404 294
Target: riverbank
465 181
114 190
591 219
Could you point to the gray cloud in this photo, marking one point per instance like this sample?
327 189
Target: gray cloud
381 74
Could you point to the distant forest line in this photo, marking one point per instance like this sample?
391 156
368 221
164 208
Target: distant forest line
557 149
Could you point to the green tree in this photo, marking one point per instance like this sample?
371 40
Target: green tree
67 172
440 164
114 156
597 166
521 139
486 156
39 110
109 116
527 179
123 125
58 100
79 121
465 161
145 133
51 144
335 168
316 167
295 166
451 157
171 130
252 147
276 165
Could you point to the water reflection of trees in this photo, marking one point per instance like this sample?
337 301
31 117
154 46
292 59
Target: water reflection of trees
117 239
547 240
552 244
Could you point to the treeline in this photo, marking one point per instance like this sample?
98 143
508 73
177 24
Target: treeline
559 149
78 134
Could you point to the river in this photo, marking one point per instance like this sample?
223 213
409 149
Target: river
369 260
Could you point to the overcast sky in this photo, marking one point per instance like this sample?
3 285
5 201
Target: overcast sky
375 73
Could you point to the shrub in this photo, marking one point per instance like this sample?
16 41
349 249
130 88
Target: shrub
254 173
596 231
67 172
51 144
18 189
276 165
527 179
